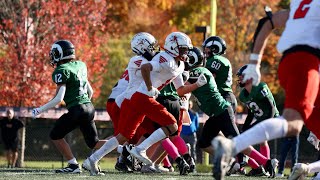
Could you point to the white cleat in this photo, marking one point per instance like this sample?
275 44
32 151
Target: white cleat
140 154
299 171
160 168
92 167
224 151
149 169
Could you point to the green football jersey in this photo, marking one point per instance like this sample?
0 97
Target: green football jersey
258 101
169 91
74 75
208 96
221 68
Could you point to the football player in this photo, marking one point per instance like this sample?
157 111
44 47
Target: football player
144 45
219 110
298 74
261 105
214 48
73 87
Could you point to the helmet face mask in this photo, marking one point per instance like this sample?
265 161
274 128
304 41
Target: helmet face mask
178 44
214 45
61 50
144 44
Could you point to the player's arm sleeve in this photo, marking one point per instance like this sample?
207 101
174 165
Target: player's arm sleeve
90 90
248 121
61 90
265 28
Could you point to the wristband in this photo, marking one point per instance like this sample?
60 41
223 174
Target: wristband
255 57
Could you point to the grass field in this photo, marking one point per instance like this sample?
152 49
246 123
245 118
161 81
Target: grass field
44 171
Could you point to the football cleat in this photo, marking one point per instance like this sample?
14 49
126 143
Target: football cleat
92 167
160 168
190 162
121 166
260 171
140 155
182 165
299 171
71 168
271 167
224 151
150 168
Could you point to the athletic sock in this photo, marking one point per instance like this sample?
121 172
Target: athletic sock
265 150
156 136
73 161
170 148
180 144
166 162
252 163
110 145
257 156
266 130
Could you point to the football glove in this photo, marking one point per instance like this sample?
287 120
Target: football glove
252 72
35 112
184 104
154 92
202 80
312 139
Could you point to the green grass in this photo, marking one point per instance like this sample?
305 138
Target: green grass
44 171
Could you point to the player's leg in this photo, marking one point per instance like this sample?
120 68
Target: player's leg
65 124
157 113
294 73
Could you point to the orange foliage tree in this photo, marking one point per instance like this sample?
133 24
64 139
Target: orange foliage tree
28 28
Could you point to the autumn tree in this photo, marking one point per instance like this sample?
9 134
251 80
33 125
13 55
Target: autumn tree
28 28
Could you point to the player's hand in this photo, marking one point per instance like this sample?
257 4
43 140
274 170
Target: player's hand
252 72
154 92
35 112
202 80
312 139
184 103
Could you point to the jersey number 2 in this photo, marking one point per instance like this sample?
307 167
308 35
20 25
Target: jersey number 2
302 9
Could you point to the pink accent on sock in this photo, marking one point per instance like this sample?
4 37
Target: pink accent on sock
166 162
180 144
170 148
265 150
261 159
252 163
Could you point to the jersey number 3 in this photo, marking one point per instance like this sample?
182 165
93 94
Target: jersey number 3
302 9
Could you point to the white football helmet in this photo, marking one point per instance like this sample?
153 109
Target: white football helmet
177 44
144 44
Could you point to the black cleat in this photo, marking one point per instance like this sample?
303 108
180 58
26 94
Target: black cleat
271 167
121 166
182 165
257 172
191 163
71 168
